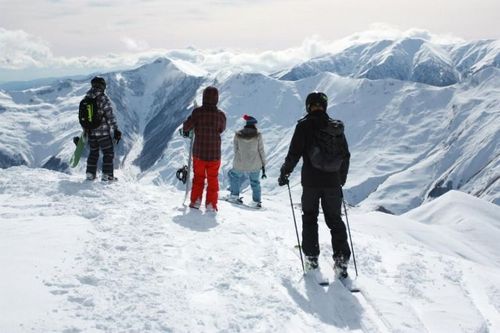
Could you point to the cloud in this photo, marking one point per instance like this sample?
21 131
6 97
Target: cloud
378 31
101 3
20 50
23 52
134 45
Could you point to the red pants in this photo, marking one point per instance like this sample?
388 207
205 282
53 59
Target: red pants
210 171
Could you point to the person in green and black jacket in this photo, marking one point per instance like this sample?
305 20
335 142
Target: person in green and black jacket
100 138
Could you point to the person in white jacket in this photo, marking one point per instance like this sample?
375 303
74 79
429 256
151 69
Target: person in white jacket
249 161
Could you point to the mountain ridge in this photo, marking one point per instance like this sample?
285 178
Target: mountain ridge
409 59
410 141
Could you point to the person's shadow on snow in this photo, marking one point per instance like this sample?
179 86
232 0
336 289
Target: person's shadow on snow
333 305
196 220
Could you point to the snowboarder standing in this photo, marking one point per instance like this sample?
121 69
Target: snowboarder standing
100 137
249 160
208 123
321 181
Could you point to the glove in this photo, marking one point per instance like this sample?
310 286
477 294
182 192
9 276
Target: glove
185 134
76 139
117 135
263 173
283 179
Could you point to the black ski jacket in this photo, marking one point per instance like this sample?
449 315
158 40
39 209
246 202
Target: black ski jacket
299 146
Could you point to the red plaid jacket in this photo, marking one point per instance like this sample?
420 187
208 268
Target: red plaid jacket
208 123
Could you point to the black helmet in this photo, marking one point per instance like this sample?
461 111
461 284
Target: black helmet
316 98
98 82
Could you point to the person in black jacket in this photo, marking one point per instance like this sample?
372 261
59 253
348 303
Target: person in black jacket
319 185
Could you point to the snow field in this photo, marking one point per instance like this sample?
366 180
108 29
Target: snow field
83 256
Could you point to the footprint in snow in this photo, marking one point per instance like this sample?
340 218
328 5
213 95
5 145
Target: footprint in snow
88 280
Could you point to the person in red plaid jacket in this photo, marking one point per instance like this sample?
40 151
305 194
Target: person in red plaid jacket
208 123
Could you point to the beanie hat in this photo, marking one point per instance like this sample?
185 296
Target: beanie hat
98 82
250 120
210 96
316 97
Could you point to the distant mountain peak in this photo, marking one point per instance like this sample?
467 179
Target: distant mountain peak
410 58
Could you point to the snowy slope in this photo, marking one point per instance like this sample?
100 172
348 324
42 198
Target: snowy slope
410 142
453 212
87 257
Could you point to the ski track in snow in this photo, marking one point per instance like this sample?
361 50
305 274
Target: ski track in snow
148 264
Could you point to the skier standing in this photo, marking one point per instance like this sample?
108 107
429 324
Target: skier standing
318 184
208 123
249 160
100 137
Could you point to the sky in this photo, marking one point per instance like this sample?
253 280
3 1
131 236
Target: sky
56 37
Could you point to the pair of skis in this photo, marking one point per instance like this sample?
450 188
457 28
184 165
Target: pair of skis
324 281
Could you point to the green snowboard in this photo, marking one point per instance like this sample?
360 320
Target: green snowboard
82 141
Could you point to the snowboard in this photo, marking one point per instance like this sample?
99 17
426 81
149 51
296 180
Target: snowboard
188 167
189 161
75 158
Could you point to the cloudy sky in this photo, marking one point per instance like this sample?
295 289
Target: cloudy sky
43 37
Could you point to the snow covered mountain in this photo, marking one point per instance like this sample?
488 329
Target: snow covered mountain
136 262
422 121
152 101
408 59
421 118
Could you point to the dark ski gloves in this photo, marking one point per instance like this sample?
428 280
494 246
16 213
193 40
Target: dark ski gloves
117 135
283 179
76 139
263 173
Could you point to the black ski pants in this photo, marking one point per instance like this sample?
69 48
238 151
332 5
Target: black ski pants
331 202
105 143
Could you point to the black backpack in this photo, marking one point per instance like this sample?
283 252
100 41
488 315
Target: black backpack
88 114
327 151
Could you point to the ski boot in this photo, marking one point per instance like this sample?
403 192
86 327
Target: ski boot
311 263
340 266
196 204
211 208
234 199
108 178
312 269
89 176
255 204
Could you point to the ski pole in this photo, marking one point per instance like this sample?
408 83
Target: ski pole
296 230
350 239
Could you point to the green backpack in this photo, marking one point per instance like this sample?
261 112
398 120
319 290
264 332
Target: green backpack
89 116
